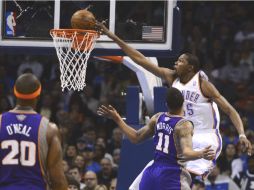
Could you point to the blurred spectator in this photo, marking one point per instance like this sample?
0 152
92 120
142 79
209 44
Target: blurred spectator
70 154
79 161
116 156
101 141
115 141
74 171
235 71
91 181
217 53
197 42
225 160
73 184
90 134
101 187
245 180
107 172
46 107
99 152
247 55
217 181
81 143
88 98
65 166
30 64
88 154
247 32
236 167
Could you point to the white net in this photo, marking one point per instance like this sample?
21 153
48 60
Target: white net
73 48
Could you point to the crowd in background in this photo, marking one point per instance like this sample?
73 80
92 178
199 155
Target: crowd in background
220 33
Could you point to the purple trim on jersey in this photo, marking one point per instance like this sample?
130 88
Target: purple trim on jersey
214 117
219 147
219 140
21 129
164 136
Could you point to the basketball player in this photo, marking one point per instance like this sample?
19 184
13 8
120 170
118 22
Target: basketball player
172 143
30 150
10 21
200 102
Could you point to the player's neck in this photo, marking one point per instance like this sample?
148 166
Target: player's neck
20 107
26 104
187 77
175 113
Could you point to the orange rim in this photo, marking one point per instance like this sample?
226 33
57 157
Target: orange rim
73 30
81 36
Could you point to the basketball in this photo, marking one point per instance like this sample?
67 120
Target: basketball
83 19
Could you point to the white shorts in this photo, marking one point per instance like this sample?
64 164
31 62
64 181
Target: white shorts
200 139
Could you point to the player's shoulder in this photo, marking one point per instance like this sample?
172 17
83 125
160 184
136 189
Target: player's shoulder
52 131
52 127
184 123
203 76
157 115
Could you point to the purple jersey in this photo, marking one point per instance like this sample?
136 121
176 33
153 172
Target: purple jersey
20 161
165 173
164 145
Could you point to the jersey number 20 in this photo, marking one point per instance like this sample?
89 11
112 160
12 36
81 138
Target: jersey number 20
27 153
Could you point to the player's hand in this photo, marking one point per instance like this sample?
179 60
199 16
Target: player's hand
209 153
246 145
100 26
108 111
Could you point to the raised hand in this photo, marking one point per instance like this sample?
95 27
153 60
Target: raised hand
208 153
109 112
246 145
103 29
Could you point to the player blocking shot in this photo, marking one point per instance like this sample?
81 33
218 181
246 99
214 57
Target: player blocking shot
201 99
30 151
172 144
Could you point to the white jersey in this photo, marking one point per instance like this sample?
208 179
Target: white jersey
202 111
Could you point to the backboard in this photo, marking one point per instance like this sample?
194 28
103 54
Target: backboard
152 27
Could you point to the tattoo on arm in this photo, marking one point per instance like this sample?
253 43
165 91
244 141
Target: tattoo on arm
183 136
148 130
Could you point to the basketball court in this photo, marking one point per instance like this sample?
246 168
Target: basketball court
151 27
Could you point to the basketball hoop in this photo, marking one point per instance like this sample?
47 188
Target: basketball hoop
73 48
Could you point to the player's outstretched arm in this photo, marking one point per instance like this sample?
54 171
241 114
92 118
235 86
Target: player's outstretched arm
135 136
183 136
138 57
209 90
54 159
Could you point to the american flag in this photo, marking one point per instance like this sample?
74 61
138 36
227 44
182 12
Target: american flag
152 33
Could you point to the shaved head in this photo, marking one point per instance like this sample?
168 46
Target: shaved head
27 83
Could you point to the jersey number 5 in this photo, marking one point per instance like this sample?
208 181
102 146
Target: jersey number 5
166 143
27 153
